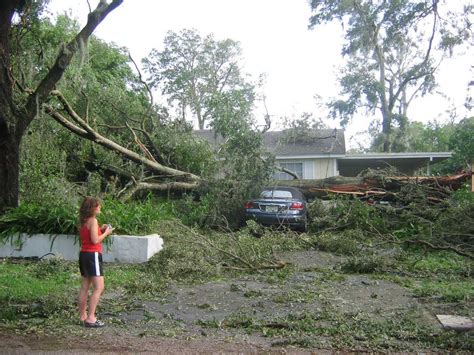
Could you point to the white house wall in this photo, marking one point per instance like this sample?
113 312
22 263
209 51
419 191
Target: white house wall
324 168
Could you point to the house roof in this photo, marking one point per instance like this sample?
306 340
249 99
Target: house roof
293 143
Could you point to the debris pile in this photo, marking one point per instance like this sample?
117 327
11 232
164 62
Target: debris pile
383 185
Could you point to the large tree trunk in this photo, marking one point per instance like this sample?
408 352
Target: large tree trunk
372 186
9 145
9 171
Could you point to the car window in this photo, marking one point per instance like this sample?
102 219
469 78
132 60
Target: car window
276 194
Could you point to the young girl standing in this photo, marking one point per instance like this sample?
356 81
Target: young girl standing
90 260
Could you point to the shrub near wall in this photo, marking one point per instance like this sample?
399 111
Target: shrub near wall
132 218
33 218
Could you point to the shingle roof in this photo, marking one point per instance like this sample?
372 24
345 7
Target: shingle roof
290 143
312 142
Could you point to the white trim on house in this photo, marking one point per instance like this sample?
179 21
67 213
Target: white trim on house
430 155
315 156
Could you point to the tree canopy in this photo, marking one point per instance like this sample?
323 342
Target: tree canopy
392 51
196 72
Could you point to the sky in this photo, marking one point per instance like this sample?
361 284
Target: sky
298 63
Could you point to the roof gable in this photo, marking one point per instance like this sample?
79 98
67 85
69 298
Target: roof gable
312 142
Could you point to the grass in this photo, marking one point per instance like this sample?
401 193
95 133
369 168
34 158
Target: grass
447 291
22 287
356 332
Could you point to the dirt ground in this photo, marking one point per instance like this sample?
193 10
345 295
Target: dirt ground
191 319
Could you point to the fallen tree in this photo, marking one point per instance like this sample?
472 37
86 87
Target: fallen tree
379 185
420 212
70 119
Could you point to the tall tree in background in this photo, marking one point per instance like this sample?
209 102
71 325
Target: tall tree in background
393 50
196 72
20 105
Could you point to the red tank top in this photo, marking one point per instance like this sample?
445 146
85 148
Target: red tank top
86 241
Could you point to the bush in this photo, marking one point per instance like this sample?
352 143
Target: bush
48 217
136 217
58 217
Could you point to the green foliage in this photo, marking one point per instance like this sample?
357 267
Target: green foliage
418 137
195 72
363 264
244 169
34 47
241 167
305 129
463 196
448 291
136 217
331 329
193 212
100 86
345 214
462 145
47 217
381 36
180 149
347 242
411 220
46 167
190 255
58 217
436 137
440 265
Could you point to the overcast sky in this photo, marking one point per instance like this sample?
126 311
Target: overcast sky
275 40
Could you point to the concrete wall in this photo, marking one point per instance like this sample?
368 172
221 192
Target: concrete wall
123 248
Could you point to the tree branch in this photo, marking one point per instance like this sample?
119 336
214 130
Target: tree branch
63 60
135 186
85 131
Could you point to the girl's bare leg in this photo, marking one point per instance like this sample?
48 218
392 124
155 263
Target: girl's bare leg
98 288
83 293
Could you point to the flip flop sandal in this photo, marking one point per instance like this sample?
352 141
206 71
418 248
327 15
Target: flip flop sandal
96 324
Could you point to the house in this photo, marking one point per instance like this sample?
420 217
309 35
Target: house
319 154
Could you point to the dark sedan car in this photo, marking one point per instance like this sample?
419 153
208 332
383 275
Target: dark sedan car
279 206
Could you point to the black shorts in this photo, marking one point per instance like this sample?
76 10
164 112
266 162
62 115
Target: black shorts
90 264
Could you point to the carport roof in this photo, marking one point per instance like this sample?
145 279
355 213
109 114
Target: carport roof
353 164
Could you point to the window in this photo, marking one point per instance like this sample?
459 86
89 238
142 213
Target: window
294 167
276 194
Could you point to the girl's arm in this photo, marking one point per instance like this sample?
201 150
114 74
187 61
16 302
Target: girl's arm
94 230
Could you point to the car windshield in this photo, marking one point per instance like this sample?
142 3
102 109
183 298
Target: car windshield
276 194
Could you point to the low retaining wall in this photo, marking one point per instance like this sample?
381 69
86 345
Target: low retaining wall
123 248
